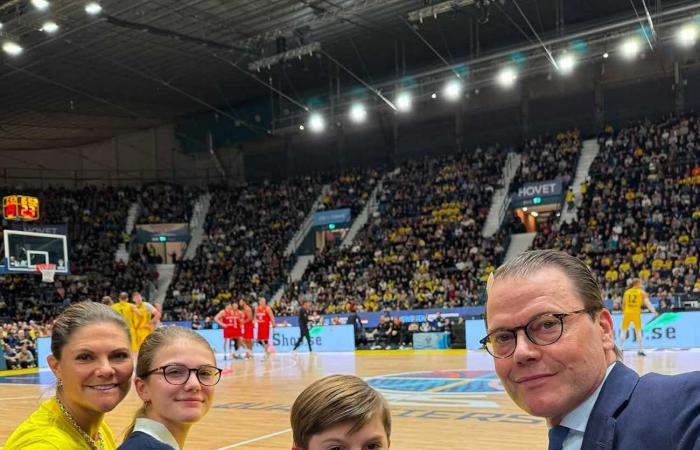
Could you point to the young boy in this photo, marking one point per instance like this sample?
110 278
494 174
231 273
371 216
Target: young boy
340 411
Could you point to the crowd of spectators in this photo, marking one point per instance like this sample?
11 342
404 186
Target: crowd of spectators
640 210
18 342
351 189
548 157
167 203
242 253
421 248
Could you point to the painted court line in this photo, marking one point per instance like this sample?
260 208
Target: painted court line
259 438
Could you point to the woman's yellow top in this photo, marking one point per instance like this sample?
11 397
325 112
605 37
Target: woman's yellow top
47 428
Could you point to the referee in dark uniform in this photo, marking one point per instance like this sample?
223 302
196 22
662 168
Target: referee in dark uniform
303 326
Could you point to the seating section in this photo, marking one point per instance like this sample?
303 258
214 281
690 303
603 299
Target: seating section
421 248
640 211
548 157
243 251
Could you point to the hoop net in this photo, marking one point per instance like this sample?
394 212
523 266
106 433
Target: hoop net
48 272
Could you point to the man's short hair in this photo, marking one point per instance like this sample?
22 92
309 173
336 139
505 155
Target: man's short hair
334 400
123 296
580 275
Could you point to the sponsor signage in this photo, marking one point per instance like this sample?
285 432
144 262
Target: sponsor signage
542 192
332 217
669 330
338 338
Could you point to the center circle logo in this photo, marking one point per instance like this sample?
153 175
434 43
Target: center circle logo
444 388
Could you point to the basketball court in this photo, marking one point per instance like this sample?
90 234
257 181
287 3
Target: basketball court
446 399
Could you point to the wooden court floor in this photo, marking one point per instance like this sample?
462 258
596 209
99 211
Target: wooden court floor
440 399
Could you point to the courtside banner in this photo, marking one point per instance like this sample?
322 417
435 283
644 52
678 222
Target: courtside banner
669 330
337 338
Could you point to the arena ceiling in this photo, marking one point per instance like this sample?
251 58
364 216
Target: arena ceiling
141 63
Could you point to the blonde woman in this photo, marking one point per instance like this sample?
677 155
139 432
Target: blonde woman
91 359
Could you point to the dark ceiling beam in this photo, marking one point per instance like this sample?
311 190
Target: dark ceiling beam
176 35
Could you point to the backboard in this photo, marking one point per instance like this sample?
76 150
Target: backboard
25 249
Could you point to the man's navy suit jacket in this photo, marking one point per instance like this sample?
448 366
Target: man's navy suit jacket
652 412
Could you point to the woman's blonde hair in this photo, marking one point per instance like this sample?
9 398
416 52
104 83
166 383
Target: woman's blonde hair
334 400
81 315
159 339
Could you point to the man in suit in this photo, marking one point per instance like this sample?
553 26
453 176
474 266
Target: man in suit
303 326
554 351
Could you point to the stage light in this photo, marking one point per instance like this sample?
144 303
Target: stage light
567 62
316 123
630 48
12 48
507 76
301 127
93 8
687 35
41 5
49 27
404 102
358 113
434 96
605 55
452 90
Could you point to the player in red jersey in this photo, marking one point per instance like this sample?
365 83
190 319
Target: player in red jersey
248 325
229 319
265 320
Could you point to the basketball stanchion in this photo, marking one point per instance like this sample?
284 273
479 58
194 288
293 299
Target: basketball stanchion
48 272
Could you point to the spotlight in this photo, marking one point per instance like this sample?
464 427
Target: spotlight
49 27
301 127
93 8
452 90
507 77
358 113
434 96
316 123
41 5
567 62
12 48
687 35
605 55
630 48
404 101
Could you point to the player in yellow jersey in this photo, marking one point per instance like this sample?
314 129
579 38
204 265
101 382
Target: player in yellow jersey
126 310
632 301
146 316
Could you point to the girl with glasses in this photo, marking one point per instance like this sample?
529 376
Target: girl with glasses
175 377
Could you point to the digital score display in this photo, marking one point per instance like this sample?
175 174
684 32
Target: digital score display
20 207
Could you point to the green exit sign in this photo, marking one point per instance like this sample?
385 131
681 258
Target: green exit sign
331 226
537 200
163 238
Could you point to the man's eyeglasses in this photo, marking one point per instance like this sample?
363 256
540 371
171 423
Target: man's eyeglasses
545 329
178 374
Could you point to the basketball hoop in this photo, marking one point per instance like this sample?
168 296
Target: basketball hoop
48 271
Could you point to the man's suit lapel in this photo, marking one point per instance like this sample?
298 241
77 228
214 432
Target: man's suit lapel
600 429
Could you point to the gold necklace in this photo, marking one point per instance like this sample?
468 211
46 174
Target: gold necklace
95 444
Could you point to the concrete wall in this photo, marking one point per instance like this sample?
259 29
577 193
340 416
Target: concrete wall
136 158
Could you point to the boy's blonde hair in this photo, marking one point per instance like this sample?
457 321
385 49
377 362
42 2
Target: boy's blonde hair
334 400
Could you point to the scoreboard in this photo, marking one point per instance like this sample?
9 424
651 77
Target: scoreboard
20 207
